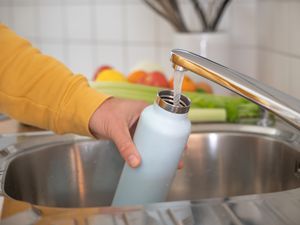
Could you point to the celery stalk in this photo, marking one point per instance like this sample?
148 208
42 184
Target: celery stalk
207 115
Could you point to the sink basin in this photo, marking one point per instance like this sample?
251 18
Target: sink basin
222 160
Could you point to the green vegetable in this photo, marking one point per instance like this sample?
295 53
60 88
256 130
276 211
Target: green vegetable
236 108
207 115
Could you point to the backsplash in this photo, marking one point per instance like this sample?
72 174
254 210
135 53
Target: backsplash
278 41
85 34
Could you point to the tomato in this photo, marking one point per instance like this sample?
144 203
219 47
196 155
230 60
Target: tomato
155 78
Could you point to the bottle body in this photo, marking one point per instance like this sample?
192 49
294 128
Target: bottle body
160 137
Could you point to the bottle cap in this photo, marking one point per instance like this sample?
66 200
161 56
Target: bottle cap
165 99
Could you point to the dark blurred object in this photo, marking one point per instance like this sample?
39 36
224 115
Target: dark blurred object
209 17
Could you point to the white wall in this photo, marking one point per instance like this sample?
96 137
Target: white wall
270 29
279 44
243 30
85 34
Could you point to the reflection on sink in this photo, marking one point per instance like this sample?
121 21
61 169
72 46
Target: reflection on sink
221 161
231 164
80 174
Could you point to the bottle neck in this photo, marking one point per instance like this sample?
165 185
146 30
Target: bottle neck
165 100
159 109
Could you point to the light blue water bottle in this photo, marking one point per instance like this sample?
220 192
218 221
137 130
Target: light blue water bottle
161 135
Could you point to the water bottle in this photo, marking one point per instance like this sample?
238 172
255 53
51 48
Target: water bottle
161 135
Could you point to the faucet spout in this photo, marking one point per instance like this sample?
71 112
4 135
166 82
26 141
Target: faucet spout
281 104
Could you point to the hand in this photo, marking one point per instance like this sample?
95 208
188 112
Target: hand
181 164
116 119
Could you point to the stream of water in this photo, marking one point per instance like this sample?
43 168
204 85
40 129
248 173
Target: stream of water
178 78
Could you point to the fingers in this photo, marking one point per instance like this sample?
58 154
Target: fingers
133 128
127 149
107 122
180 164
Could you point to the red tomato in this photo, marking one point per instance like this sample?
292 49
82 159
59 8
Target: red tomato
154 79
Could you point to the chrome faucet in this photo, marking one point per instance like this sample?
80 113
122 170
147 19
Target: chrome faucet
281 104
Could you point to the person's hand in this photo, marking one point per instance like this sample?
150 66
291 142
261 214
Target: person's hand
116 119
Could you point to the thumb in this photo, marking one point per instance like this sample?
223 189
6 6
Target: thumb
126 147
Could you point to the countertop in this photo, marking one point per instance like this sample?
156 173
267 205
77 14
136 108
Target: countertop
13 126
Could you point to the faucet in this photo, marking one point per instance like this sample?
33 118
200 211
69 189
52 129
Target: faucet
281 104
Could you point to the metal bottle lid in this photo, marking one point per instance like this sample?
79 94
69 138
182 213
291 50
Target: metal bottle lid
165 99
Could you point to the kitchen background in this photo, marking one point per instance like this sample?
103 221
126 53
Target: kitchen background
85 34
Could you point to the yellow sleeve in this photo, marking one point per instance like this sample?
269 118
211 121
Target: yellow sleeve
38 90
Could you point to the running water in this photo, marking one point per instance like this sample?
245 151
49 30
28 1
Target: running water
178 78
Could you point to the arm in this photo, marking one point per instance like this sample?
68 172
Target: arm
38 90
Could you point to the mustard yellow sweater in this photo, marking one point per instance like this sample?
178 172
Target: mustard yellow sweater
37 89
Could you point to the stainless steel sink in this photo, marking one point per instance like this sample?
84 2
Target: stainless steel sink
222 160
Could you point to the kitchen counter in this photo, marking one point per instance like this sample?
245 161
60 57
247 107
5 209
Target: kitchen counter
260 209
13 126
276 209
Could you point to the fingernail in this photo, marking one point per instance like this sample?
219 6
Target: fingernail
133 161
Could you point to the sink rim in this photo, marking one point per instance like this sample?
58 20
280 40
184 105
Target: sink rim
286 136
